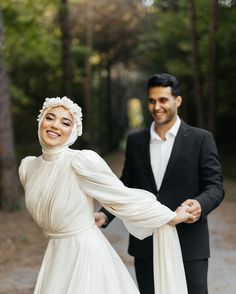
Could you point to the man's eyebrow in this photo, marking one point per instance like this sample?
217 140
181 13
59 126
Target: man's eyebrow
161 97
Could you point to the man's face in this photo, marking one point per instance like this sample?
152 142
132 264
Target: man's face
162 105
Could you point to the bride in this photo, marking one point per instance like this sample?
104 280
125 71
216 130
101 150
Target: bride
60 186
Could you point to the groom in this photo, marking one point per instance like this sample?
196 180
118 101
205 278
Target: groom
180 165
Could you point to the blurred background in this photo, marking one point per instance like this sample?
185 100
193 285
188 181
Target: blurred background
100 53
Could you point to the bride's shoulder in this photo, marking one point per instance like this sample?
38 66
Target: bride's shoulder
86 159
27 160
86 154
25 167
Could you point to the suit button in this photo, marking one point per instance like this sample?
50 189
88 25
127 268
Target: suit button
157 195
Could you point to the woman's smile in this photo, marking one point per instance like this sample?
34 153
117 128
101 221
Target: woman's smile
52 134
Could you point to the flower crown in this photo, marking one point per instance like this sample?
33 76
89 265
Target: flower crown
74 109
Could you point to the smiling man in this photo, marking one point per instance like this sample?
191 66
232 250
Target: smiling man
180 165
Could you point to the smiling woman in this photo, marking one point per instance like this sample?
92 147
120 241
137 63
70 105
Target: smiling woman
56 126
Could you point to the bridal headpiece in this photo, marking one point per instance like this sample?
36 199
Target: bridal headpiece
74 109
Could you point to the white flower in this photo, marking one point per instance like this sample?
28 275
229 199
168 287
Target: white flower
74 109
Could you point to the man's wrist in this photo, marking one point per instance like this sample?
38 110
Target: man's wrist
105 218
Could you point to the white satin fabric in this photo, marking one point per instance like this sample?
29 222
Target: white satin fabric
59 190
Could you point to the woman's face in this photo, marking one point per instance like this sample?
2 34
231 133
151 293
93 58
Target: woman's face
56 126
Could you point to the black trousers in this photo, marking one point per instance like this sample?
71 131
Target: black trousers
195 271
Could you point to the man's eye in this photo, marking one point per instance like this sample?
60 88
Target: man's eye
163 100
151 101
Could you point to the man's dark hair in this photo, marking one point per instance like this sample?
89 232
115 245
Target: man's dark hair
164 80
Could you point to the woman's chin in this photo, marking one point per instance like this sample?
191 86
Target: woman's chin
51 144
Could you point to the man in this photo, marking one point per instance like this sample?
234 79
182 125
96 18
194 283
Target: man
180 165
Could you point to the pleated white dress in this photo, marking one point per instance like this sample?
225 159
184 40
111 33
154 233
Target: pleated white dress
59 193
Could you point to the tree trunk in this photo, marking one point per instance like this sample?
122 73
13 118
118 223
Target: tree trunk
196 65
213 46
109 113
9 183
89 118
66 49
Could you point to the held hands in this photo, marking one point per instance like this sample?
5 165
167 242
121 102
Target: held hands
194 208
182 215
100 219
189 212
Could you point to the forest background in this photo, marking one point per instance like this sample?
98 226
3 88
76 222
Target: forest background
101 53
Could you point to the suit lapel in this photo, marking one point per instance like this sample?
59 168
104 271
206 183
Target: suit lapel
145 146
178 147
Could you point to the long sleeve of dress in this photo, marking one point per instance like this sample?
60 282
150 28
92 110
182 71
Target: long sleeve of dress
141 214
134 206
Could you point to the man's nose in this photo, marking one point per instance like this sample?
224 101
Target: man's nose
157 105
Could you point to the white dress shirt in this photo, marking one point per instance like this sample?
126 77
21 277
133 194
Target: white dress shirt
160 151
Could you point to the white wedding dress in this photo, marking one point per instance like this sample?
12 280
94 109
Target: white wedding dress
59 189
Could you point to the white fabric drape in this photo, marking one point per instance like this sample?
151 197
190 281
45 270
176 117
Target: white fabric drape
142 215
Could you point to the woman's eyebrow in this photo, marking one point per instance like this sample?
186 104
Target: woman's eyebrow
65 118
51 114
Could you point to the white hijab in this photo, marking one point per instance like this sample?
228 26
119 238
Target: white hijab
76 113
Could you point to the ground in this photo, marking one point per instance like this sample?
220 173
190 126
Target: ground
22 245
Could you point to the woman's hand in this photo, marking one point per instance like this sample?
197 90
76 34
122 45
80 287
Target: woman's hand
182 215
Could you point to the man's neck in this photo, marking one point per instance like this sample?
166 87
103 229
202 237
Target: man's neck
162 129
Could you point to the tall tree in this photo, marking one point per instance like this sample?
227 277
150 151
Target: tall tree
196 63
212 64
66 48
9 184
89 119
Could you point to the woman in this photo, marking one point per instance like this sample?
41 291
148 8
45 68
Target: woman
60 186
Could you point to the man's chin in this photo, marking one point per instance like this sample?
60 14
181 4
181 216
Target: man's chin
161 121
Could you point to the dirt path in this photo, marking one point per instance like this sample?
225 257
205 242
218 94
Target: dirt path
22 245
222 268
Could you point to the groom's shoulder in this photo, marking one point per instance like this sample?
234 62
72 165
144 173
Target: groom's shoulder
195 130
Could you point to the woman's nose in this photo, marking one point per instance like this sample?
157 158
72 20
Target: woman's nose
55 124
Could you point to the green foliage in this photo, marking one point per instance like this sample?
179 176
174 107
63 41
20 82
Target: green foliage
32 52
129 43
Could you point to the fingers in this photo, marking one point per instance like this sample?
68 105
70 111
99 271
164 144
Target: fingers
192 219
194 206
100 218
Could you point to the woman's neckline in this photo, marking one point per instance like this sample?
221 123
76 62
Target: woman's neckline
54 153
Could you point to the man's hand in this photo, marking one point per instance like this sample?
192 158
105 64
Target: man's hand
194 208
100 219
181 216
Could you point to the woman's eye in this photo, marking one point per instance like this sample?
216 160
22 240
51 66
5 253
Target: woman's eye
66 124
49 118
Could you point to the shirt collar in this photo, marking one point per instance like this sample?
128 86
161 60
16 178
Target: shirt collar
171 132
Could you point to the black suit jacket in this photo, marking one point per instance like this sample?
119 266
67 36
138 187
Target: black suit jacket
193 171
